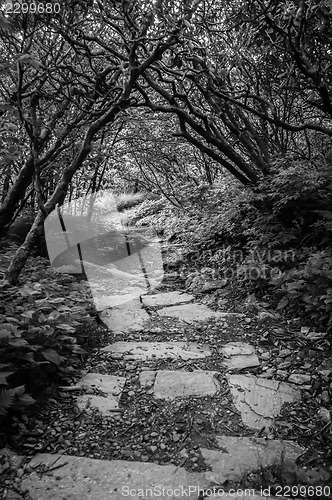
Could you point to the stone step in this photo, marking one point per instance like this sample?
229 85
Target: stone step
260 400
64 477
170 385
157 350
239 355
192 312
102 392
166 299
126 317
238 456
109 300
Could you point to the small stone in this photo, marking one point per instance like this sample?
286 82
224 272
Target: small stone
20 473
324 415
153 448
176 437
154 434
131 394
284 353
285 364
265 355
247 320
282 373
325 397
267 375
299 378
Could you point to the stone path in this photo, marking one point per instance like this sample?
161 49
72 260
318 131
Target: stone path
257 400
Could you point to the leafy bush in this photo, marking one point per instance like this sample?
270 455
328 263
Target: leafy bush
37 338
145 210
275 238
307 290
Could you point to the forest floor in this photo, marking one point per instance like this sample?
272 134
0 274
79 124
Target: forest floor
181 431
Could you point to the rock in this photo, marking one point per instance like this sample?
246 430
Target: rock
166 299
110 300
325 415
158 350
284 353
282 374
268 373
285 364
305 329
325 397
170 385
239 355
109 385
299 378
194 312
259 400
12 459
126 317
239 456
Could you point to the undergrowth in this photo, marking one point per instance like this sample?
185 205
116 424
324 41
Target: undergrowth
272 240
38 343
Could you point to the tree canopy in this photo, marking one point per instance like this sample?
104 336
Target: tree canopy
160 94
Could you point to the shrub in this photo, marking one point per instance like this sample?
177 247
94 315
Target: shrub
37 340
283 231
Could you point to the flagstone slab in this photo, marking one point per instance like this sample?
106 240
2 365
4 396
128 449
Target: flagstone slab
110 387
107 301
166 299
238 456
126 317
191 312
79 478
170 385
260 400
239 355
157 350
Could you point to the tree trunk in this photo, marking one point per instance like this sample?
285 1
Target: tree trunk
15 194
60 192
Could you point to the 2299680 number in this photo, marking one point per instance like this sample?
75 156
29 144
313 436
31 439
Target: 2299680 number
31 7
300 491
